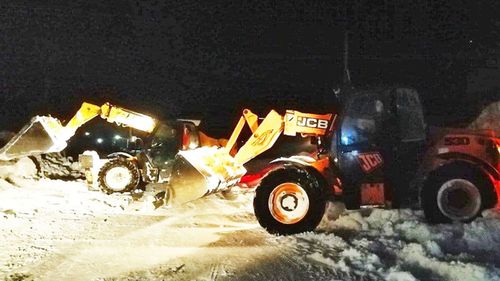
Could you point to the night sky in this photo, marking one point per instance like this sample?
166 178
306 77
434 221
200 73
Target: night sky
210 59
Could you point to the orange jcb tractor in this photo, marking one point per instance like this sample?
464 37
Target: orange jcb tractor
372 153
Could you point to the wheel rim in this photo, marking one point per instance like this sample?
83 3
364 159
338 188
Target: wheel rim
118 178
288 203
459 199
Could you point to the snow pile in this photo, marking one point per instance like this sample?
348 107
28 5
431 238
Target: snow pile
15 172
24 168
400 276
399 245
56 166
26 186
489 118
52 166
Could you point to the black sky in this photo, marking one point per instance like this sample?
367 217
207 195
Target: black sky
209 59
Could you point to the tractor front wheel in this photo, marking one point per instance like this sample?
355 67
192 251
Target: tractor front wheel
289 201
118 175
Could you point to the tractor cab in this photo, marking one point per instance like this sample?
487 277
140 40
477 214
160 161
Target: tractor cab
378 143
168 139
159 149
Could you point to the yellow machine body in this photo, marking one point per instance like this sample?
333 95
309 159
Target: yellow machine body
46 134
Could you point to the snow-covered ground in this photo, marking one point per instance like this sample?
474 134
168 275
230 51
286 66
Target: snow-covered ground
58 230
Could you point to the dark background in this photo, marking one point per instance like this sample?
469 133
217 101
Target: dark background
210 59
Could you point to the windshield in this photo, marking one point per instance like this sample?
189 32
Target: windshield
362 117
164 135
164 144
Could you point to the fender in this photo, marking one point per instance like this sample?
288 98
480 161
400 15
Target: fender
319 168
298 159
457 158
253 180
471 159
119 154
496 184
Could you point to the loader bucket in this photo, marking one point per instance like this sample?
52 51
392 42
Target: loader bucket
200 172
43 134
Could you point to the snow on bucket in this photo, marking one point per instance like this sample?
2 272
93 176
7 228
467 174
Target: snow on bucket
44 134
200 172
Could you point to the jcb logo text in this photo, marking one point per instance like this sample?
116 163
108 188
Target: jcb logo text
312 122
370 161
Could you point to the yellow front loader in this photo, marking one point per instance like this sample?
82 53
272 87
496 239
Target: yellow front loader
207 170
46 134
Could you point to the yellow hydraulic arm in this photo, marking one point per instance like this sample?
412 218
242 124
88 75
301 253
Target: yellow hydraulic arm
113 114
45 134
264 136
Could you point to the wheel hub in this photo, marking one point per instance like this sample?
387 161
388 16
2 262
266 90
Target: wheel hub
118 178
459 199
288 203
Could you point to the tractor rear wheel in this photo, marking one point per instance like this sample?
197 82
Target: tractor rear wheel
118 175
455 194
289 201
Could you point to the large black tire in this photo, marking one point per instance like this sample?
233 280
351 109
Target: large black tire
119 175
455 193
266 195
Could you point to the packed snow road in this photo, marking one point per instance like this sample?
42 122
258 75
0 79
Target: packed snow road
58 230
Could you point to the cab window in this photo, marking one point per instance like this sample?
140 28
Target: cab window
361 120
410 115
164 145
165 136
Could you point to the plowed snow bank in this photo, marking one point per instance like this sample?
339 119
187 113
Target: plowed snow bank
16 170
53 166
399 245
489 118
